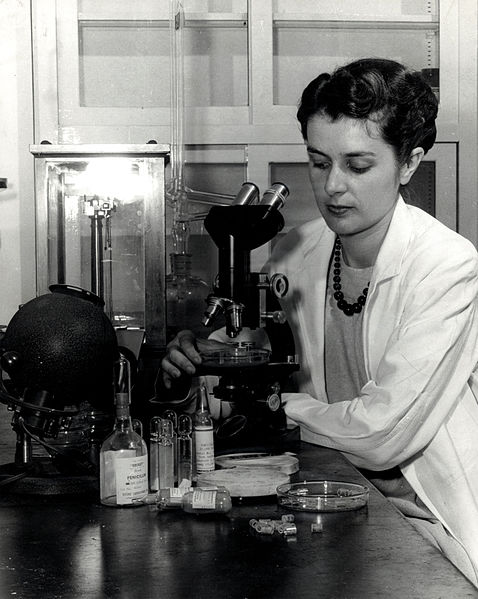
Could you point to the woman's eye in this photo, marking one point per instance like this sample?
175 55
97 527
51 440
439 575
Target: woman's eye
358 168
321 165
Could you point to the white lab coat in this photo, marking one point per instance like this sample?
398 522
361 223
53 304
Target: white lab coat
418 409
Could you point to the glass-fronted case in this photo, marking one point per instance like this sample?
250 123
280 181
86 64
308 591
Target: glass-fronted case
100 226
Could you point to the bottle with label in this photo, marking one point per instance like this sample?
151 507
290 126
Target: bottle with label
203 434
123 455
207 501
193 500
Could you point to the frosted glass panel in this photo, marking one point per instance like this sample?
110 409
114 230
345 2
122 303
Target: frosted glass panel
127 64
302 53
216 69
124 65
215 178
364 8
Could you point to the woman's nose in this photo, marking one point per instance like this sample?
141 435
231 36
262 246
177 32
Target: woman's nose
335 182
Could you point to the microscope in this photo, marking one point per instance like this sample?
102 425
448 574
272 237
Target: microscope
251 374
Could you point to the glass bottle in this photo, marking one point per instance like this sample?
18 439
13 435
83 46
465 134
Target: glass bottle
207 501
203 434
123 455
193 500
185 292
185 297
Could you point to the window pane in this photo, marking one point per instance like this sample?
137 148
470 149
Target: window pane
127 64
124 65
303 52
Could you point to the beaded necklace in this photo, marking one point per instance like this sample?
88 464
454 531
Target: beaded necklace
342 303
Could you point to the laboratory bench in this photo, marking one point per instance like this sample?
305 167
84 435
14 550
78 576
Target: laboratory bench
72 547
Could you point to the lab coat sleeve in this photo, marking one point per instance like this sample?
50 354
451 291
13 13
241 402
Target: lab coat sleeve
428 358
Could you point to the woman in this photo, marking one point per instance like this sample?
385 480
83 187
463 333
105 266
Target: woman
382 306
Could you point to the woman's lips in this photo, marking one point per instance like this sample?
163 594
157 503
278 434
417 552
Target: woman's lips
337 210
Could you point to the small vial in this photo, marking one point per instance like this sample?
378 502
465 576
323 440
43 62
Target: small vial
287 529
185 448
316 527
171 415
264 529
288 518
154 430
166 455
171 498
203 434
207 501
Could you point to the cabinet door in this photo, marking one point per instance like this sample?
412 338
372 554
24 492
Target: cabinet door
307 38
110 69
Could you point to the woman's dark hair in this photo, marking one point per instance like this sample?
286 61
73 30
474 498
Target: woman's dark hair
397 99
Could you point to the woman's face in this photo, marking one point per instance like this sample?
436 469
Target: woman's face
354 174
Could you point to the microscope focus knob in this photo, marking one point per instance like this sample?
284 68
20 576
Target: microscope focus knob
278 316
279 285
273 402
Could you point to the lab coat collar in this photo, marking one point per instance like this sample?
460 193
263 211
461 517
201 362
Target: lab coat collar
392 252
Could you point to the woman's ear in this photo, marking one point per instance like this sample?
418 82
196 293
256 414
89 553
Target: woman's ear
407 170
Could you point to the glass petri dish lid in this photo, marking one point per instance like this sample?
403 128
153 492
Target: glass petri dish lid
322 496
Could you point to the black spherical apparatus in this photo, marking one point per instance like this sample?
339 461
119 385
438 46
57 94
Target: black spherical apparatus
62 343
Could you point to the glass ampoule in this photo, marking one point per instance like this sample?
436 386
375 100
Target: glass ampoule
185 448
154 430
166 457
203 434
170 414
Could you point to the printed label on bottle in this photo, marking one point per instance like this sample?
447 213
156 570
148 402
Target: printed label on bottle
204 440
131 474
203 500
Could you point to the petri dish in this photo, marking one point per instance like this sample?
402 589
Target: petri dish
242 356
322 496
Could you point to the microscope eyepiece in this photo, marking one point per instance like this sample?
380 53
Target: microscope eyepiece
275 196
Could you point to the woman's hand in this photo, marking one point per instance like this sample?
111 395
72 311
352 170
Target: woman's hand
183 355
